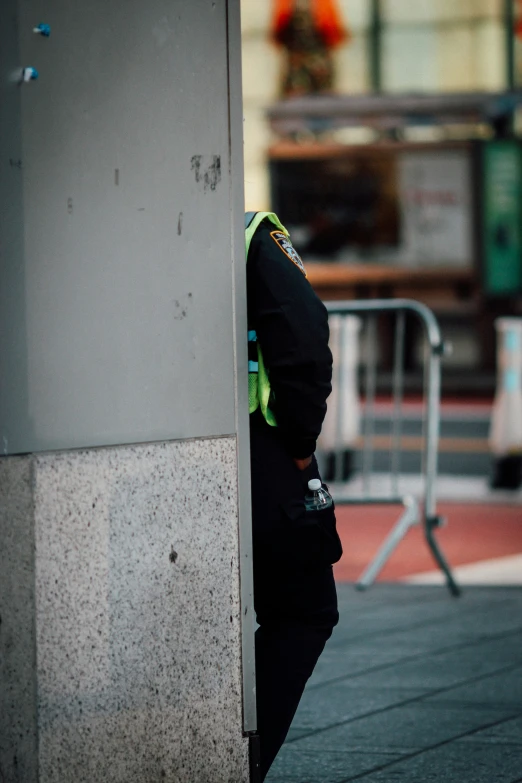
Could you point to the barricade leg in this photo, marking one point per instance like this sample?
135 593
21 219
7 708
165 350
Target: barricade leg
408 519
431 523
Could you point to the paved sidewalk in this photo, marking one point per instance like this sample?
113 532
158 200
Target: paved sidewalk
416 687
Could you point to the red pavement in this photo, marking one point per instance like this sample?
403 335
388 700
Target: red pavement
473 533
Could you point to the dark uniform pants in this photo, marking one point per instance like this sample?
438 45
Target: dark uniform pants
294 590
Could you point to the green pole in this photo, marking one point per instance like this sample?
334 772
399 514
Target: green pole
374 47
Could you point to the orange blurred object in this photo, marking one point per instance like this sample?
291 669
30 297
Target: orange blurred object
518 19
325 15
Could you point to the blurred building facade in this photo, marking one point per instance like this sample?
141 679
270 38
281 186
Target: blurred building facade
423 46
410 169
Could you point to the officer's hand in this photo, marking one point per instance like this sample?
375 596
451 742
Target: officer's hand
302 464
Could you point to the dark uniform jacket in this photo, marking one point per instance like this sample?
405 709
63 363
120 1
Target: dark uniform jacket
292 329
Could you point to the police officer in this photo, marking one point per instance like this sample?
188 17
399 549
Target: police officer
290 370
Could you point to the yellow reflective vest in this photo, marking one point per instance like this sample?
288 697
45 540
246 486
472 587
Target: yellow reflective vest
258 381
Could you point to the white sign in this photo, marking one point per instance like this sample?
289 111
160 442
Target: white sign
435 208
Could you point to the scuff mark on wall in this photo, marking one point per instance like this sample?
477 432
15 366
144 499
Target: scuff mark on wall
181 308
207 170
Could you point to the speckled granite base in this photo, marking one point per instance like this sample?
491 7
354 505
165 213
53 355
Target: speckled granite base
137 614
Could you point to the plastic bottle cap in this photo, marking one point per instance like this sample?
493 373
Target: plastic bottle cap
314 485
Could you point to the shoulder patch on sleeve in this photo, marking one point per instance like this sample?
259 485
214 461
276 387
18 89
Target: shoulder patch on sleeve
288 249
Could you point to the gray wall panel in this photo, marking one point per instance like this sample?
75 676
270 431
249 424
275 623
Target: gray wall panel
128 273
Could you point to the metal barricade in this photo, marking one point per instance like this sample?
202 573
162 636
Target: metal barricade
418 507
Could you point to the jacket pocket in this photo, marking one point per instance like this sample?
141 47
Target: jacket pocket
311 537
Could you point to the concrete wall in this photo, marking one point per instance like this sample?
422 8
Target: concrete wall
123 306
120 635
124 476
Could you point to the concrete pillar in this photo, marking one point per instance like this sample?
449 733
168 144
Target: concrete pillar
124 477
